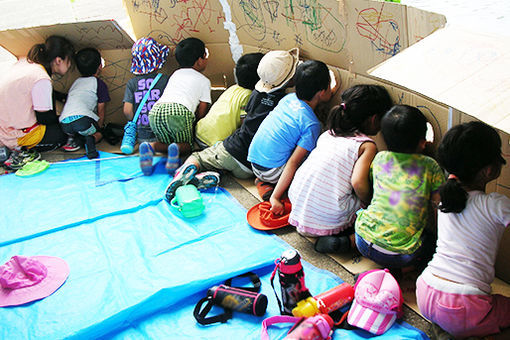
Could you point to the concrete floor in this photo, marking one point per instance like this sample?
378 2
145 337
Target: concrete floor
303 245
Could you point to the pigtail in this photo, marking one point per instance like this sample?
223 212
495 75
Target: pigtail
339 121
453 196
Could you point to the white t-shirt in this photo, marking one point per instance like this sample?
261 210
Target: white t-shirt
321 193
187 87
468 242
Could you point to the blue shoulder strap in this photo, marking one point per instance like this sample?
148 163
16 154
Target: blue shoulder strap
144 99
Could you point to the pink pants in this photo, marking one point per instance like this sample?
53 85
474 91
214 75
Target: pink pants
463 315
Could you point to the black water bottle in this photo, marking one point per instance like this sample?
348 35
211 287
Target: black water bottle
292 280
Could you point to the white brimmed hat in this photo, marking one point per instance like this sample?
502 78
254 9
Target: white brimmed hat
275 69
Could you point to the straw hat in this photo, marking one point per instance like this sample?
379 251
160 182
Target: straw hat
275 69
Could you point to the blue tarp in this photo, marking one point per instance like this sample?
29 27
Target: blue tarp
136 269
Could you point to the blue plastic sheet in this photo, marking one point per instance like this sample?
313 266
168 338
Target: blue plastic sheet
136 269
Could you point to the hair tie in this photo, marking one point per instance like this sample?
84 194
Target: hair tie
452 176
342 105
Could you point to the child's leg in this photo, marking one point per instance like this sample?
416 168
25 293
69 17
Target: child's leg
90 147
146 155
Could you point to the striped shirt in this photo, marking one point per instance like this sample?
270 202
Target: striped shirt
322 197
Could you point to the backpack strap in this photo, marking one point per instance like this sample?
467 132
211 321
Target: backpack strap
200 315
253 278
144 99
277 319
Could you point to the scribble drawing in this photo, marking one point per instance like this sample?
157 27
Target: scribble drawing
381 29
311 22
183 18
86 34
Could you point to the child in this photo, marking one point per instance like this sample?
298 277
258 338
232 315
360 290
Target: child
290 131
228 112
276 70
454 290
391 230
333 183
148 57
84 110
187 96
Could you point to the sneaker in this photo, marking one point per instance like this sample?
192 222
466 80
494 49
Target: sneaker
172 162
71 145
146 155
18 159
264 189
181 178
332 244
206 180
129 139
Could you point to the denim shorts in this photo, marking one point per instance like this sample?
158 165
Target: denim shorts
388 260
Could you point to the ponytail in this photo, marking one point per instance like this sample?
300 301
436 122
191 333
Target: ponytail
38 55
55 46
453 196
359 104
340 122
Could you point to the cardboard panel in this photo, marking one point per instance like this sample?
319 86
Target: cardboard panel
446 67
316 27
422 23
102 34
378 31
172 21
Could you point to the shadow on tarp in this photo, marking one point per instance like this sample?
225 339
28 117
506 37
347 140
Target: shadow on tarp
136 269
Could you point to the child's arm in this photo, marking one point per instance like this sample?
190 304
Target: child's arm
101 109
128 110
202 109
360 179
283 184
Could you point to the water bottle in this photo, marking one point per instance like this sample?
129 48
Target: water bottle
292 281
231 299
326 302
313 328
335 298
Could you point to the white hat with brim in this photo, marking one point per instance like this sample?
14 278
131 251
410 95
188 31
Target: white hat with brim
275 69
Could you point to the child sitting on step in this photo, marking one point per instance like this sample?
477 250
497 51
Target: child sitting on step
405 183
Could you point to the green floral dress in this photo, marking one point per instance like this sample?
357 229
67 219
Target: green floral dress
397 215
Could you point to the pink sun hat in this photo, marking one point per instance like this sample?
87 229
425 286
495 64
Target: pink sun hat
24 279
377 302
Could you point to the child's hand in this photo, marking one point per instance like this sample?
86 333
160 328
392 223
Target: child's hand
277 207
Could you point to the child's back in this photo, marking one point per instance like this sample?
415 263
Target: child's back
228 112
324 201
454 290
404 183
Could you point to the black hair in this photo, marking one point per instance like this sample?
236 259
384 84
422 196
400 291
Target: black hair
403 127
188 51
359 103
311 77
246 70
465 150
88 61
55 46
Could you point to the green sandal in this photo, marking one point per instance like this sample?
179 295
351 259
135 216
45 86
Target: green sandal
32 168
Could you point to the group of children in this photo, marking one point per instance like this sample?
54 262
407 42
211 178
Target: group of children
342 190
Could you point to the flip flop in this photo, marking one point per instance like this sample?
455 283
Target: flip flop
32 168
